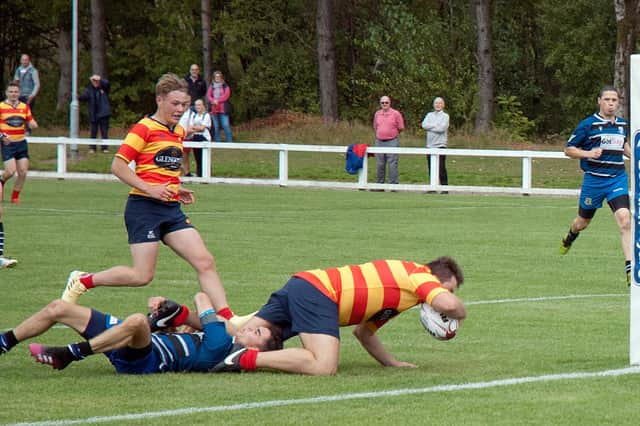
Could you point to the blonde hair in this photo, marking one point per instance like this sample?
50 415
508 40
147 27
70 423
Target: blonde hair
170 82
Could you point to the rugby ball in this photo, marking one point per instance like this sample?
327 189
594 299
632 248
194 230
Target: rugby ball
438 325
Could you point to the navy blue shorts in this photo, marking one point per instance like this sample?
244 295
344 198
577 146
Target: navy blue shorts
299 307
125 360
595 189
149 220
17 150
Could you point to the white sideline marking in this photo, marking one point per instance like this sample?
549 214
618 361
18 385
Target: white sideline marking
342 397
545 298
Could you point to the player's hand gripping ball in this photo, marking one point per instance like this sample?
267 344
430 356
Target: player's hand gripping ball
438 325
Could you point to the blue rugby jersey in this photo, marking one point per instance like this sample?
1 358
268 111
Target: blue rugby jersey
192 351
597 132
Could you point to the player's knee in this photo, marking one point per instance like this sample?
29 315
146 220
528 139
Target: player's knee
136 322
142 278
205 262
56 308
324 369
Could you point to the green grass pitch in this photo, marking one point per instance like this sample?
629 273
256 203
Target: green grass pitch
521 324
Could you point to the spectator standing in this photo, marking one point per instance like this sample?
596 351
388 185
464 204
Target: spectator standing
15 119
96 94
436 123
218 96
388 123
197 84
196 125
27 75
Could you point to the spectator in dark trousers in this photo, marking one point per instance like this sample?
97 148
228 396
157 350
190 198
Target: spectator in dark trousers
96 94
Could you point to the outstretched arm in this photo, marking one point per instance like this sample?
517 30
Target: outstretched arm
370 341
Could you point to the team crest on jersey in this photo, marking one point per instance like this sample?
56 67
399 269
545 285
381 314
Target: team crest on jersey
383 315
169 158
15 121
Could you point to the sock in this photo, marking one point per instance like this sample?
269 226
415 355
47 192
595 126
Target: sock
181 318
80 350
87 281
248 359
1 239
627 266
7 341
571 236
15 195
225 313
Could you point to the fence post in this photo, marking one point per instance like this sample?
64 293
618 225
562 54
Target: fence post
62 158
526 175
283 167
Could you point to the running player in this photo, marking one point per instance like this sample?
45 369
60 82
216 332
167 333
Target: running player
600 141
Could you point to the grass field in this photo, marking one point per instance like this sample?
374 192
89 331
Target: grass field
541 328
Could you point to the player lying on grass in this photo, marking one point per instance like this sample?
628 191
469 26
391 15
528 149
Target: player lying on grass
314 304
131 346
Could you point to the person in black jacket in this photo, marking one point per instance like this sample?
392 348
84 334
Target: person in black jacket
96 94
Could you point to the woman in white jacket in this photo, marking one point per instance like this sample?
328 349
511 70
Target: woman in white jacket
197 125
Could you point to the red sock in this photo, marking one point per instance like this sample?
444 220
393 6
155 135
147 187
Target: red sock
15 195
87 281
181 318
248 360
225 313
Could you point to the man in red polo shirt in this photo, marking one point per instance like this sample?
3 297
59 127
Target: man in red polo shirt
388 123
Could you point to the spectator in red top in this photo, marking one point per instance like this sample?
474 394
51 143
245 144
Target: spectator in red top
218 96
388 123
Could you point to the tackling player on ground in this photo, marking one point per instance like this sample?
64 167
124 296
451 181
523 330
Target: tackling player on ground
131 346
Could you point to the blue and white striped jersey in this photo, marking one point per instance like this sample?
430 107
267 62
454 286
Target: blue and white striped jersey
597 132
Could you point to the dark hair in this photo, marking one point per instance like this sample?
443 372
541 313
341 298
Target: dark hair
14 83
608 88
445 267
275 343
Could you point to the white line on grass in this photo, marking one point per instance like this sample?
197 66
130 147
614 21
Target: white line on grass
341 397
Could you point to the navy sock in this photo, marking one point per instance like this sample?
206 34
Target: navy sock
80 350
7 341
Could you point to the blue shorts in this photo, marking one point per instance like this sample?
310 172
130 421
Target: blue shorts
126 360
299 307
149 220
595 189
17 150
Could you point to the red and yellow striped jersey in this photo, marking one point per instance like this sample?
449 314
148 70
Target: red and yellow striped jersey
375 292
14 120
157 151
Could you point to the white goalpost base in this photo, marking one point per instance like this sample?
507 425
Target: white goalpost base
634 141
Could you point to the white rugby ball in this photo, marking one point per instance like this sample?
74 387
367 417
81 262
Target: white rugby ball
438 325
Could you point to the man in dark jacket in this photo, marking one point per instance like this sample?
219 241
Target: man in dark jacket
197 85
96 94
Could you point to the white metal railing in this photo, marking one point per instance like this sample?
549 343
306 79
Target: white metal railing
283 166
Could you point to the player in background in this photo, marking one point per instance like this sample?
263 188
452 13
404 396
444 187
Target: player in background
15 120
600 141
5 262
314 304
153 212
130 345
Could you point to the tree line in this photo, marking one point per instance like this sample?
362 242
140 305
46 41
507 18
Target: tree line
531 67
